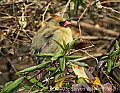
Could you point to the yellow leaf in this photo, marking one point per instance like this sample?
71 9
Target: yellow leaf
79 71
58 85
60 80
118 63
97 82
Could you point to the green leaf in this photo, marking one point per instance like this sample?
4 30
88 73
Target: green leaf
82 4
81 80
59 44
64 44
43 90
68 11
91 15
45 55
58 55
58 74
72 43
62 64
76 5
117 45
72 57
33 80
30 69
27 87
109 65
89 11
117 65
54 72
8 83
79 63
27 70
116 52
13 86
50 68
104 57
40 84
44 64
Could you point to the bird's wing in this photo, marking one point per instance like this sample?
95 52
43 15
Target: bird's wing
43 41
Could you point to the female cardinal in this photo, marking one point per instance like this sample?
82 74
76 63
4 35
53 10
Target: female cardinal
55 28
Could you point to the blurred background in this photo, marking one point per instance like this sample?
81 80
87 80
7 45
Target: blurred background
96 23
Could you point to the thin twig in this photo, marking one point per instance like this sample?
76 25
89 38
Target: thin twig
45 13
109 8
89 57
16 36
41 9
15 3
84 12
82 16
110 78
88 46
103 2
27 34
79 29
107 76
97 37
66 7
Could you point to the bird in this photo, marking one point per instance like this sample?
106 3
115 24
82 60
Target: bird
55 28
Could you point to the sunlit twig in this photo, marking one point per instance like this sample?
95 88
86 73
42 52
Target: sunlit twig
43 16
66 7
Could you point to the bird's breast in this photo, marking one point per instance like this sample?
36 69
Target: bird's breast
64 34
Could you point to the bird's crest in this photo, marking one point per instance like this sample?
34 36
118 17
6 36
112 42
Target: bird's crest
53 15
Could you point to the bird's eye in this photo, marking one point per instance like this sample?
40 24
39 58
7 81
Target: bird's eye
64 23
61 23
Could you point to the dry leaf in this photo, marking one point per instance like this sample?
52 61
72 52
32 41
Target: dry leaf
79 71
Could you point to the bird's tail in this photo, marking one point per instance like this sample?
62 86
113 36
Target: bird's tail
38 59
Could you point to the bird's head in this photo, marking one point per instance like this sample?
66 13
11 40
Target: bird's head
58 21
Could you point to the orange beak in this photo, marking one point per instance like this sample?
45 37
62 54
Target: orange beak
66 23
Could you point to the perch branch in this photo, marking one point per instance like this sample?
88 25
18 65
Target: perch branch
97 29
97 37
